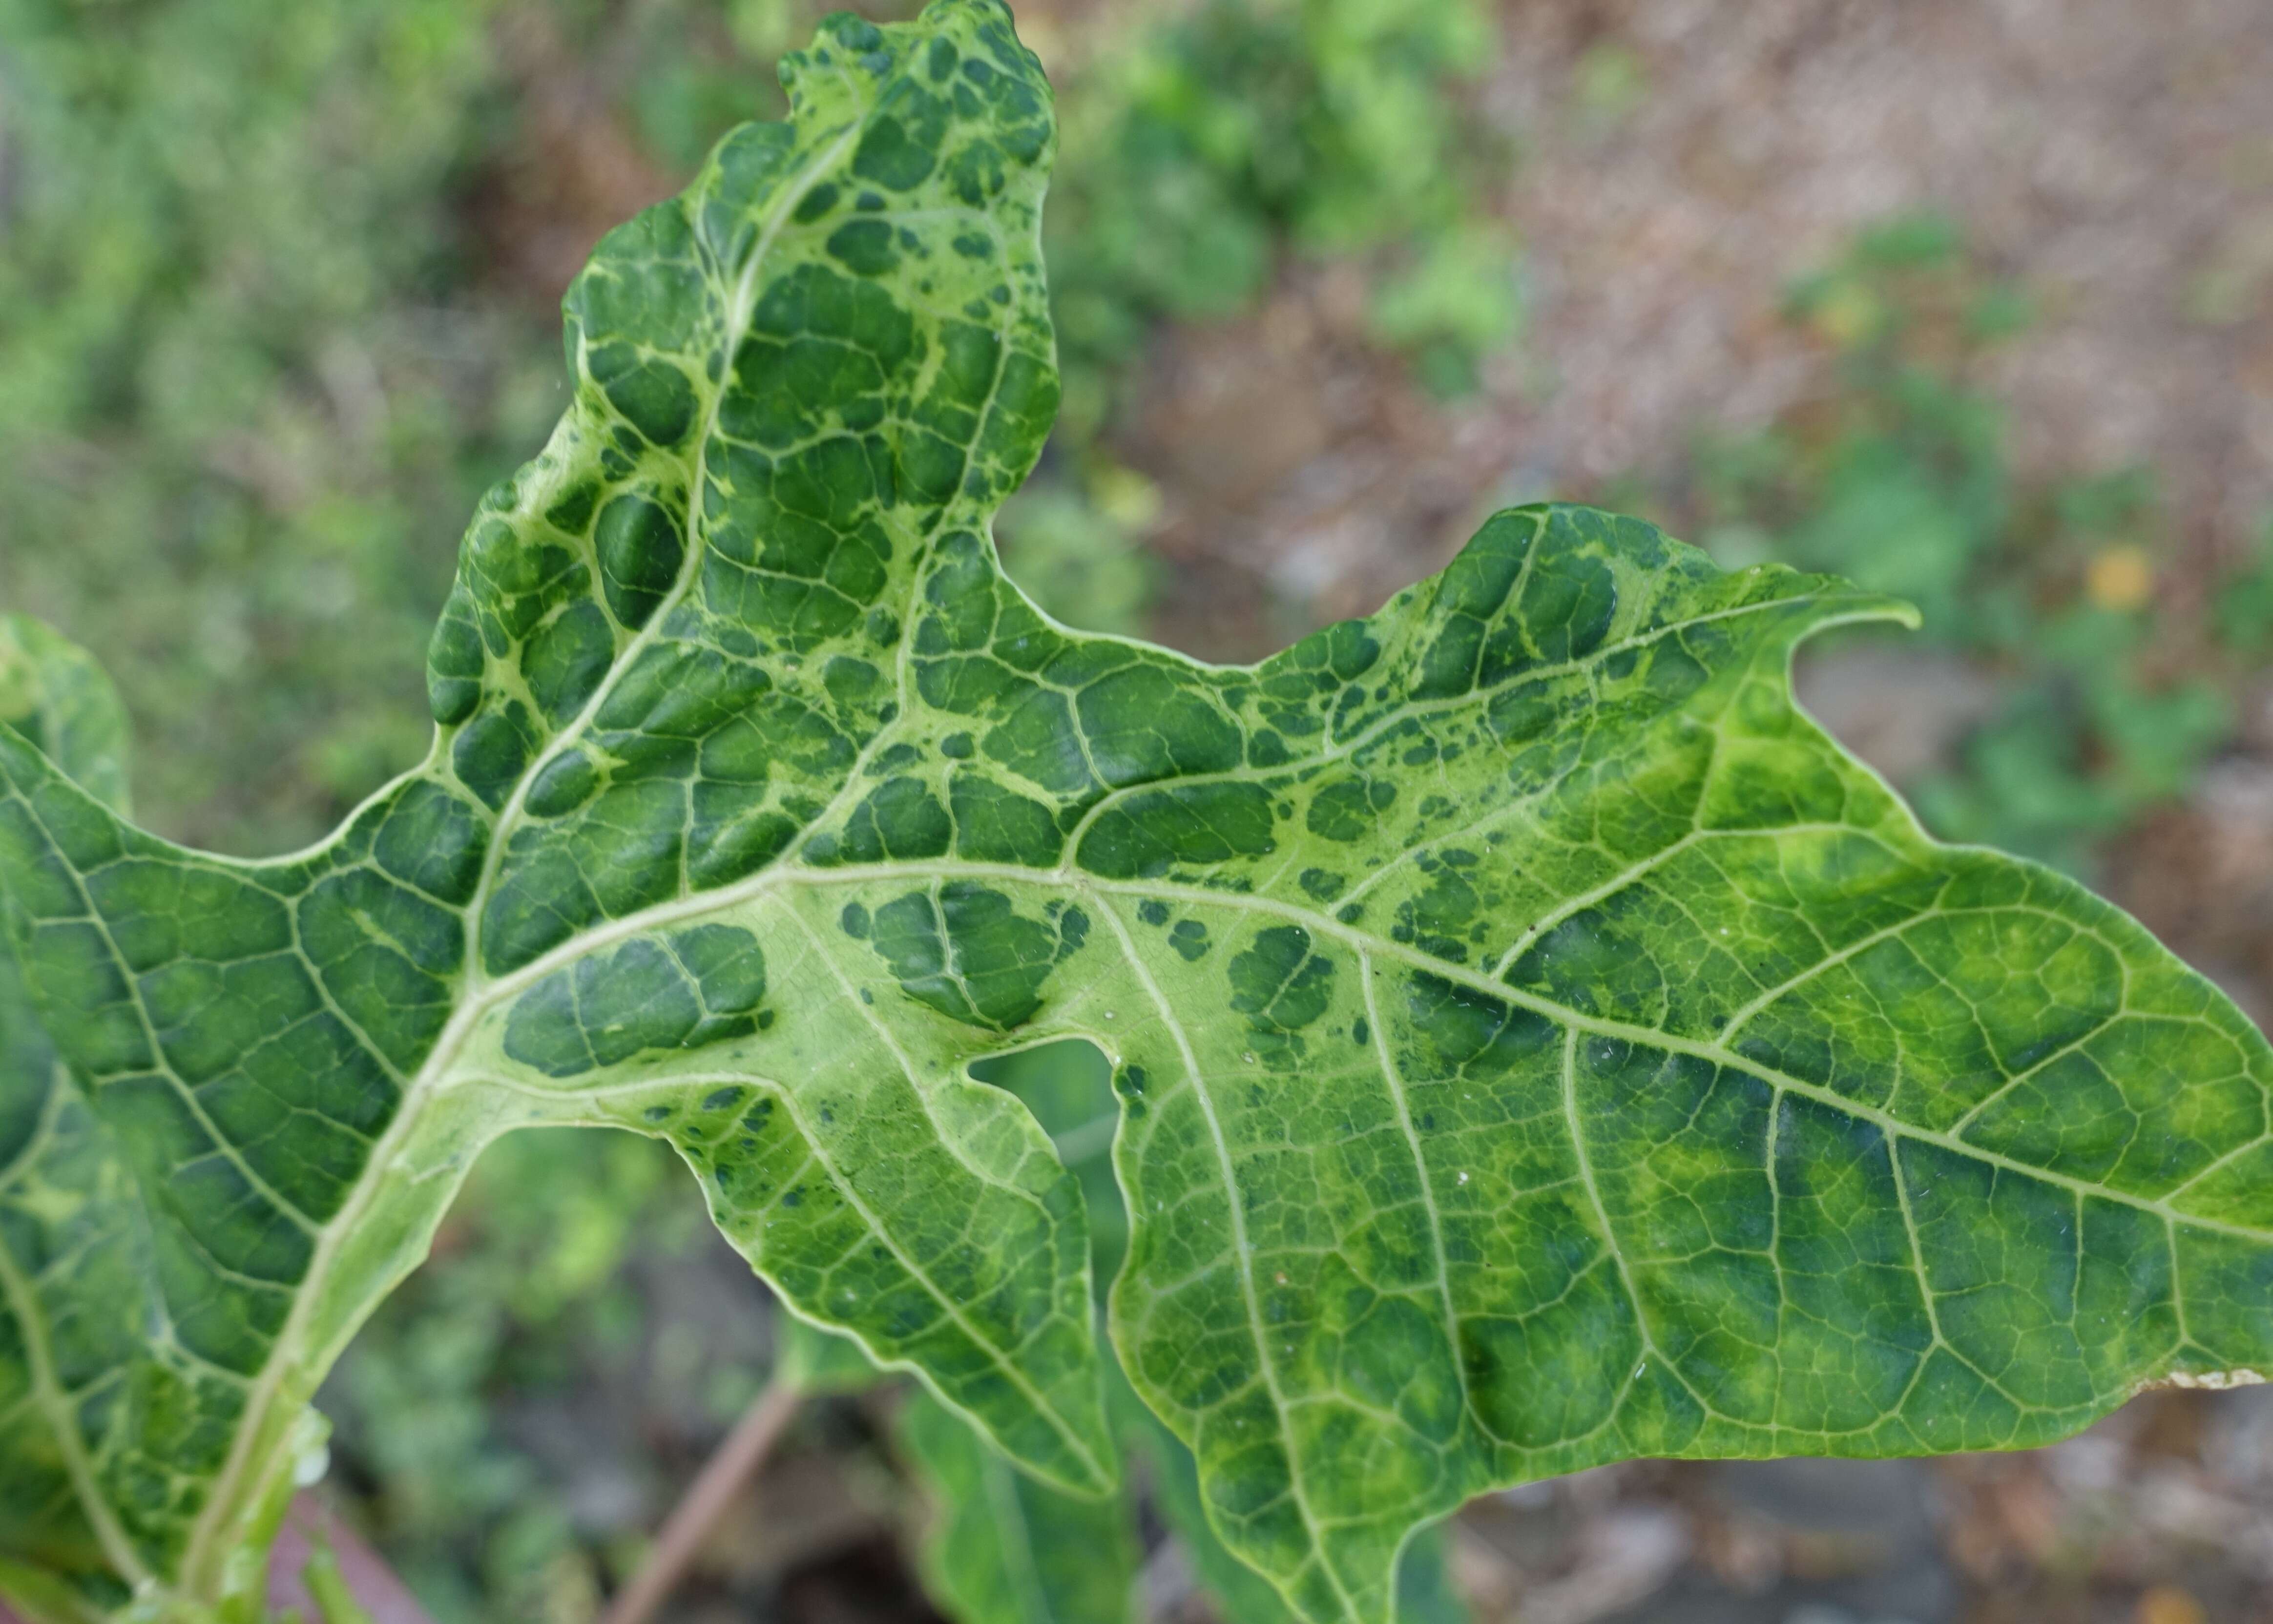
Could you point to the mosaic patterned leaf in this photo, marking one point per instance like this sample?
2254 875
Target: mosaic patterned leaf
1002 1548
1537 1043
994 1544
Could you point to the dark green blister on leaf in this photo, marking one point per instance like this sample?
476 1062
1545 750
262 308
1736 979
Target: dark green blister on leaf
1537 1043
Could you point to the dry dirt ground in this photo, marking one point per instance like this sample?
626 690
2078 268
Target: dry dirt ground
2114 156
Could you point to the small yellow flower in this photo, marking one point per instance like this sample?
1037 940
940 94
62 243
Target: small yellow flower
1849 315
2121 577
2166 1604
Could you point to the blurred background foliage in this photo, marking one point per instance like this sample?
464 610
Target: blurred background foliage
251 396
2095 708
276 304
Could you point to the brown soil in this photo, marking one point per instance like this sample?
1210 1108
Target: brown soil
2115 158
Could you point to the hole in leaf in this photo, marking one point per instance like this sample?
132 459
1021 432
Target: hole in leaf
1068 1087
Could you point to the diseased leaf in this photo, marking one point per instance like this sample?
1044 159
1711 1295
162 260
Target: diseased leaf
971 1557
1240 1591
667 651
1537 1043
74 1274
998 1545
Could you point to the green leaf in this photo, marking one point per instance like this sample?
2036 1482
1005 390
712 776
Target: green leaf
816 1362
1001 1548
1240 1591
1537 1043
974 1556
74 1273
666 657
54 695
1006 1549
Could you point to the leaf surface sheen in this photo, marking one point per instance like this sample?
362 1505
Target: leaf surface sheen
1538 1043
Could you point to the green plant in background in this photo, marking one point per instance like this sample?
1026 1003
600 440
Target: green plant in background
2243 614
1899 480
2095 725
241 430
1204 148
1333 125
527 1297
1535 1044
1902 483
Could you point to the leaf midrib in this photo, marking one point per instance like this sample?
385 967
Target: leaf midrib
495 991
1080 882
